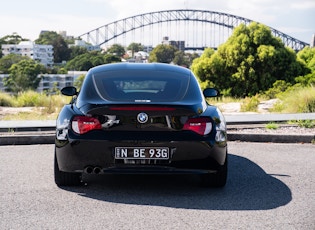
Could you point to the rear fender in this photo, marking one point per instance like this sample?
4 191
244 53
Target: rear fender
219 124
63 121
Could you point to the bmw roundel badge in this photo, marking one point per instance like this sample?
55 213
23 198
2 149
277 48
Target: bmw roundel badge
142 118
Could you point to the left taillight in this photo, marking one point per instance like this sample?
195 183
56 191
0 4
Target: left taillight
200 125
84 124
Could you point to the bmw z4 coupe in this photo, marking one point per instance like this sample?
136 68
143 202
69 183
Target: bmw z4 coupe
148 118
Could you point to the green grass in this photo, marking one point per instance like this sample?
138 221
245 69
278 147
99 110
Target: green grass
272 126
46 107
250 104
6 100
296 100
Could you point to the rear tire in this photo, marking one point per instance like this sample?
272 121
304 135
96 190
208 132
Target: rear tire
216 180
65 178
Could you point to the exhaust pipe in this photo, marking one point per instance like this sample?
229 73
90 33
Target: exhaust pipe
97 170
92 169
88 170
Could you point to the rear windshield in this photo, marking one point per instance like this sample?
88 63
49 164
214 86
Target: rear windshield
141 86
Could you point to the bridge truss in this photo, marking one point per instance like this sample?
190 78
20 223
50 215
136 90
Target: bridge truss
198 28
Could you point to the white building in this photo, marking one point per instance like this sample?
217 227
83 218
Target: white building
42 53
58 81
180 45
51 81
82 43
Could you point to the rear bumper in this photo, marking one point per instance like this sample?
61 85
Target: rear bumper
185 156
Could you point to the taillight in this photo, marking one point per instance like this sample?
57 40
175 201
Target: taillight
200 125
83 124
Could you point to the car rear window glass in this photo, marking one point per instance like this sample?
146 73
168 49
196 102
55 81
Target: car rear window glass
141 86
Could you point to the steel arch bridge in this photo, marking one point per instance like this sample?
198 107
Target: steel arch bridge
198 28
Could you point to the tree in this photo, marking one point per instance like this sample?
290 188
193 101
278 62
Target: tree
88 60
163 53
307 57
249 62
78 81
116 50
61 50
23 76
135 47
110 58
7 61
12 39
76 51
184 59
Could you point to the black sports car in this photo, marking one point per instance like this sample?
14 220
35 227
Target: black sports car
140 118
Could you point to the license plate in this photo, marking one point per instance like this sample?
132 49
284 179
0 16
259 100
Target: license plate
161 153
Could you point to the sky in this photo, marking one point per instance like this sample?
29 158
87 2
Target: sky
28 17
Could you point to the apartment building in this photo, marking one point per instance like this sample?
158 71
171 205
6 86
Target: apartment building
42 53
50 81
58 81
180 45
89 47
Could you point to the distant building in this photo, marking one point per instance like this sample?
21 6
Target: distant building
313 41
147 49
51 81
180 45
82 43
65 36
41 53
58 81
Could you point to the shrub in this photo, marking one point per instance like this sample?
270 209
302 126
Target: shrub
278 87
30 98
306 123
272 126
250 104
6 100
298 100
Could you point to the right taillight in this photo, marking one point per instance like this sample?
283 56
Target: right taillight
84 124
200 125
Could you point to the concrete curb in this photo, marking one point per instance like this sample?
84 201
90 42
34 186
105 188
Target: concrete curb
31 139
49 138
274 138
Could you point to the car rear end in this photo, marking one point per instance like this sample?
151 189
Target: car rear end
135 123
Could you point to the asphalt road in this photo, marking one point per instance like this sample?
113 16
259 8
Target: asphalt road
270 186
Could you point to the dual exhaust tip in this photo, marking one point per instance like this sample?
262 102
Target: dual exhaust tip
92 170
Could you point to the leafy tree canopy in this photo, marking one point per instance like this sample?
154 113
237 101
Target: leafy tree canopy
117 50
307 56
184 59
249 62
135 47
12 39
7 61
163 53
88 60
78 82
76 51
23 76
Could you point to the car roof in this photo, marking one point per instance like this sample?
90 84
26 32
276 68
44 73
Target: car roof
139 66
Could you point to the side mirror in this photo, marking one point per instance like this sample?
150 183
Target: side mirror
69 91
210 92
